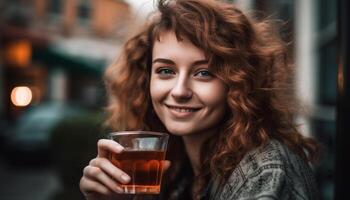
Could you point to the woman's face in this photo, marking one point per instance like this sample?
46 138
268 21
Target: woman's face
186 96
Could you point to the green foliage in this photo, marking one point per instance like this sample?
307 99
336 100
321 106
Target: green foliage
74 143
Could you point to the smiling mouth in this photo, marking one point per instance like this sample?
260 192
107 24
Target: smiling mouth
183 109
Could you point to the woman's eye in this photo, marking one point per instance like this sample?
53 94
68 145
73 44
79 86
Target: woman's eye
204 73
165 71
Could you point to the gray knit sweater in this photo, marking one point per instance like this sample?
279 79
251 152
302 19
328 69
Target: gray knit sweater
269 173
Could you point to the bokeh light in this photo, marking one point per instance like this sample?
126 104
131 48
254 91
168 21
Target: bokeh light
21 96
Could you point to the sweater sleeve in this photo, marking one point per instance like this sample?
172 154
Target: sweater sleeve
265 184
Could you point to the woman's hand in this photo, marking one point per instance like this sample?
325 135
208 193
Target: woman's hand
101 179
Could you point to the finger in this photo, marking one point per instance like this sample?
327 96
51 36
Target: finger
105 146
110 169
89 187
95 173
166 164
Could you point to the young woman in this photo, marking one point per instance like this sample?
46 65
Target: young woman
216 81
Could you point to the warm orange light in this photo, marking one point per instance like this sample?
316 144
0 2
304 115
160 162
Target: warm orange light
19 53
21 96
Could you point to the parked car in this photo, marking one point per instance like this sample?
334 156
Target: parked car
31 133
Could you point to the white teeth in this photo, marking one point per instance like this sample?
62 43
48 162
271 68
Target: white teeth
182 109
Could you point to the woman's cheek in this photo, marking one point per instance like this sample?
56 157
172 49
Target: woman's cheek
211 93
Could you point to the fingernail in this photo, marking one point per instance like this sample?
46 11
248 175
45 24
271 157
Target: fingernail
125 178
119 189
120 148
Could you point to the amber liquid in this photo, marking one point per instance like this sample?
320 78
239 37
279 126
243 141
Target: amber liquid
144 167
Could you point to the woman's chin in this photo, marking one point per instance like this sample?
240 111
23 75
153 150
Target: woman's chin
178 131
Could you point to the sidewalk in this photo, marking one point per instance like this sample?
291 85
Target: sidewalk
22 182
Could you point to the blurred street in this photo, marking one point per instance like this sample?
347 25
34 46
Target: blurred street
53 55
27 182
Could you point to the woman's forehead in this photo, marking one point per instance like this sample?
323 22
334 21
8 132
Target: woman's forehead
169 45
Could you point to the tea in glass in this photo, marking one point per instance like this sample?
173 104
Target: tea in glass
142 159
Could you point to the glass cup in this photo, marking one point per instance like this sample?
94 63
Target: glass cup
142 159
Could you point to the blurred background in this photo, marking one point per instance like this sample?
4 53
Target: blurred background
52 57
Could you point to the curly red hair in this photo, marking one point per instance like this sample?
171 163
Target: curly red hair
246 54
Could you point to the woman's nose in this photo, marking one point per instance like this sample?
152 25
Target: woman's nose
181 89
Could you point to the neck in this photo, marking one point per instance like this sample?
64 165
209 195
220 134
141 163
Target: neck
193 144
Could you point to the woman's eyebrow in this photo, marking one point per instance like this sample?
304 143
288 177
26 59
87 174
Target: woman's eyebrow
200 62
168 61
163 60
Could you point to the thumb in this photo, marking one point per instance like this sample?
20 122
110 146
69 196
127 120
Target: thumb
166 164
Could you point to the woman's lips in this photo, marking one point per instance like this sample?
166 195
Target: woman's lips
182 111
